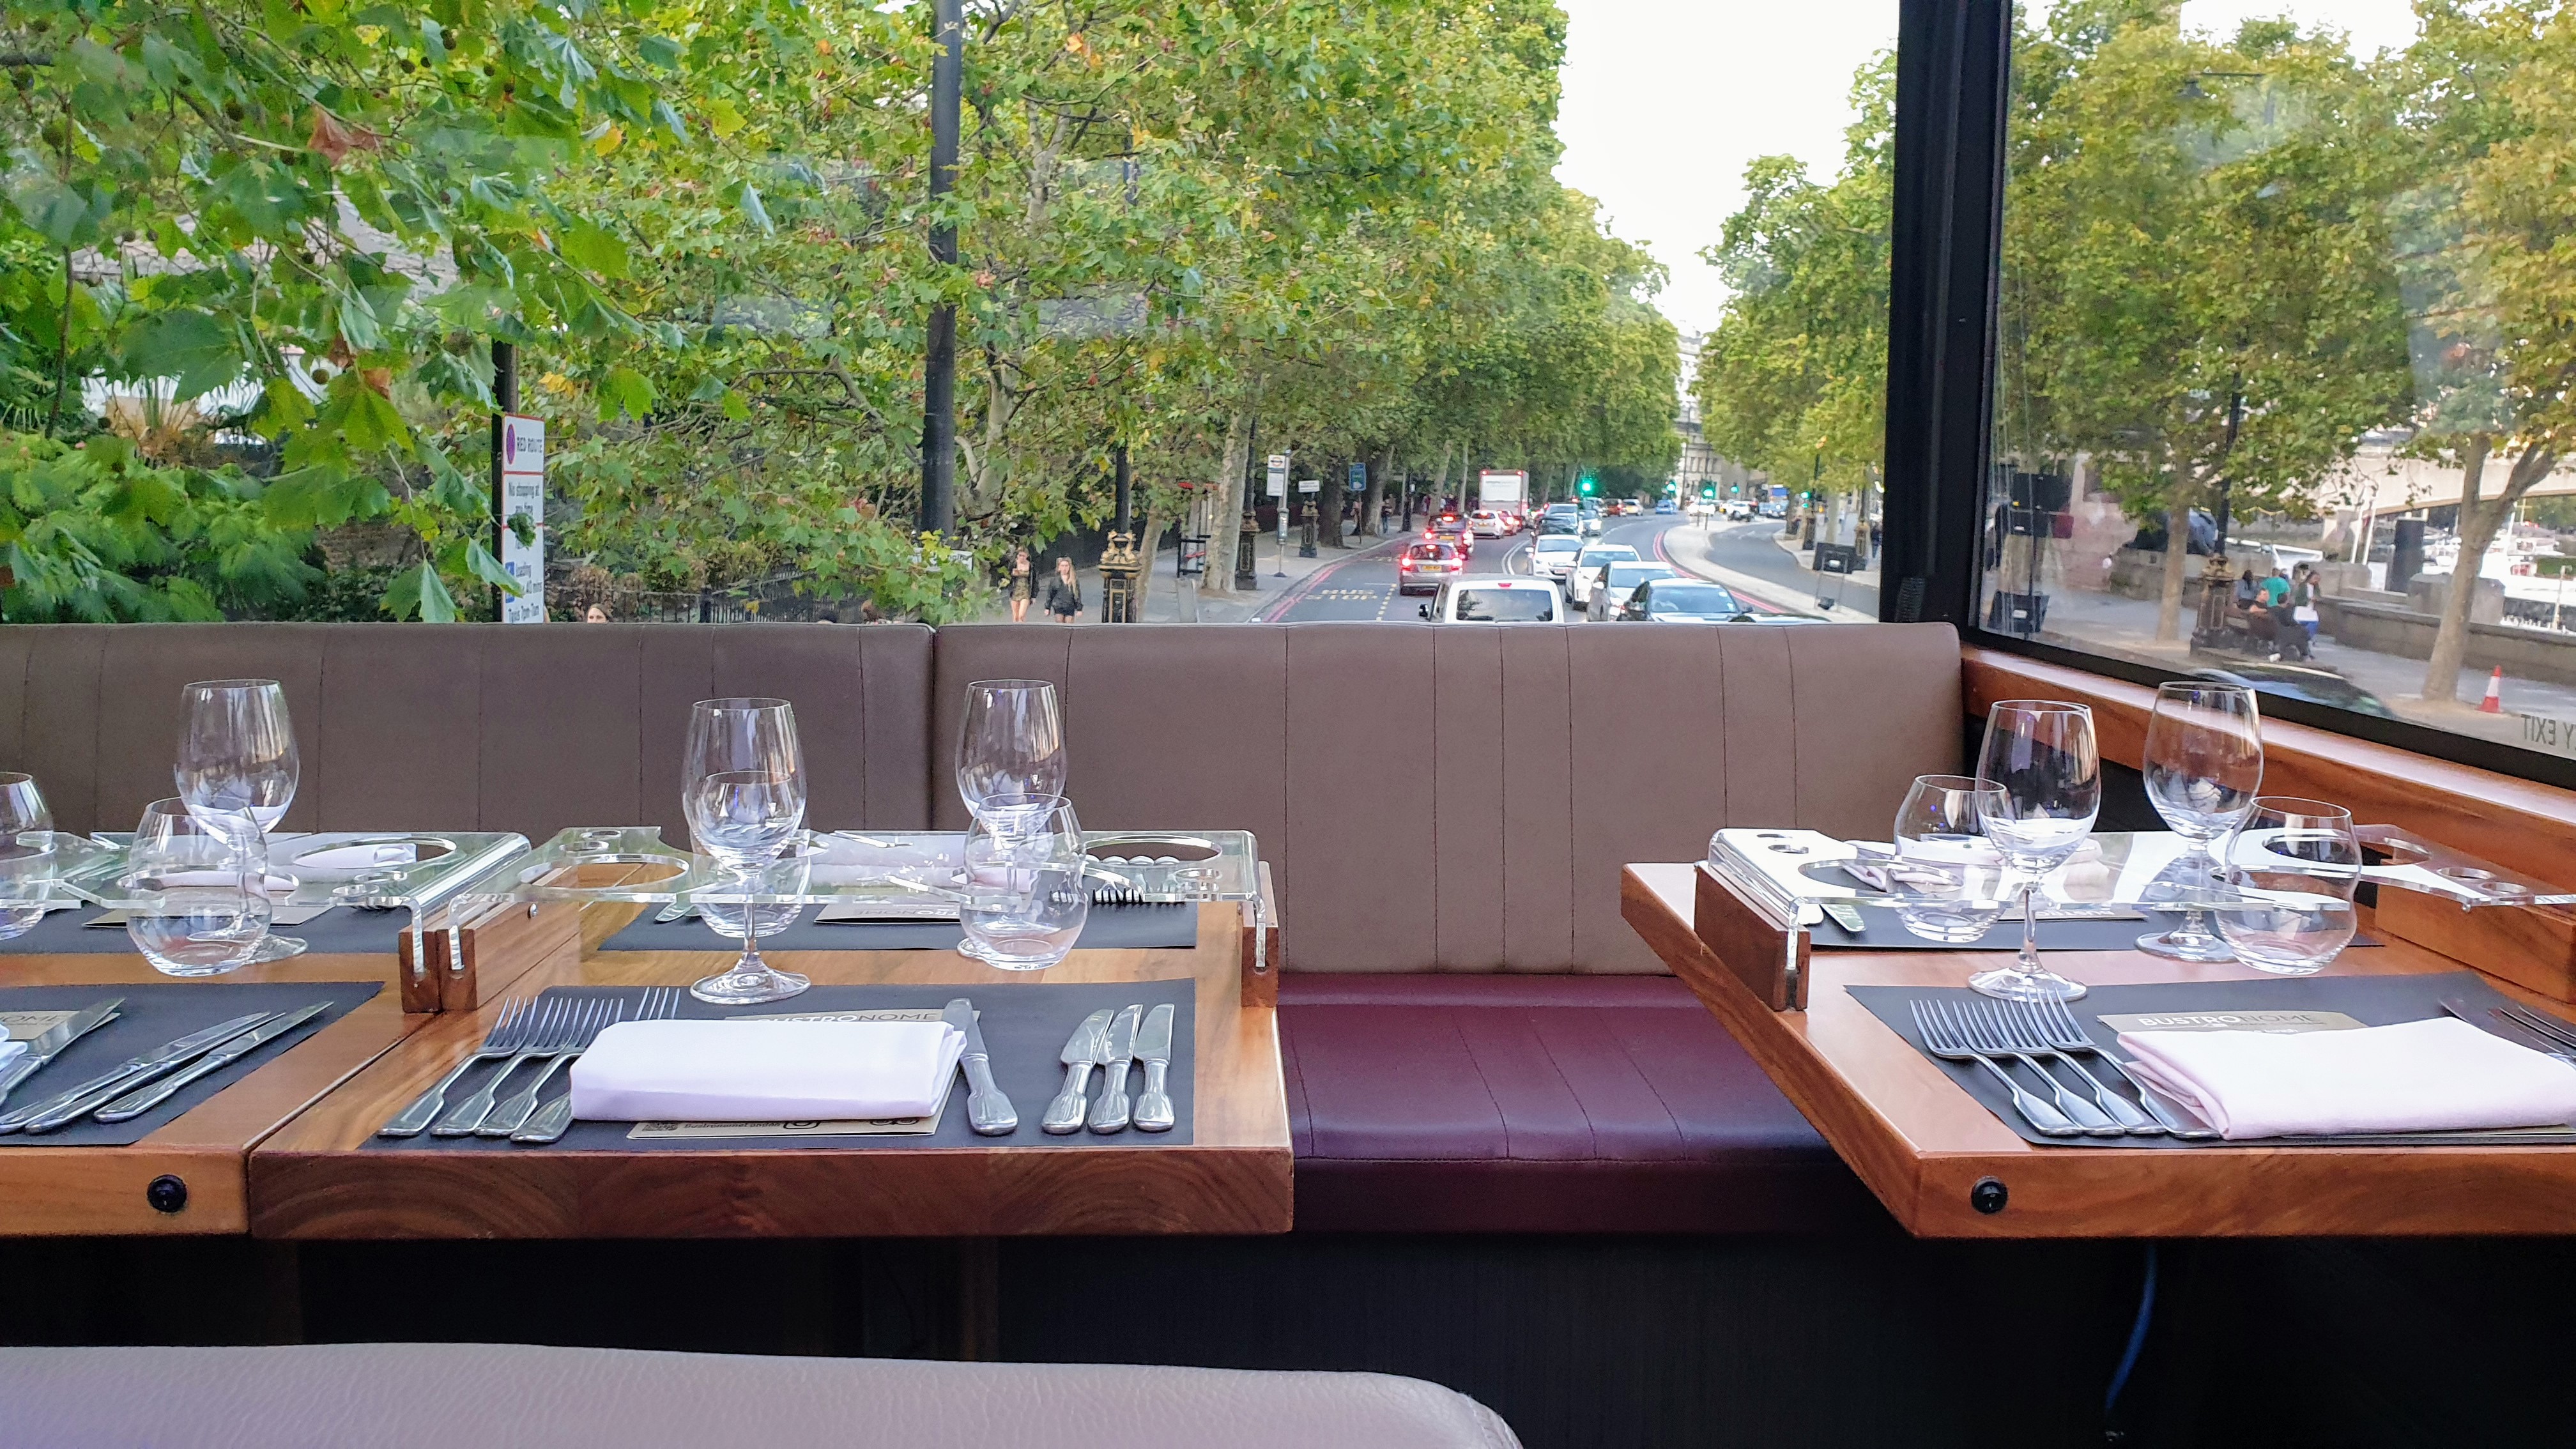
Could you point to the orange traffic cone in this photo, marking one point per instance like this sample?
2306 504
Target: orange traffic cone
2494 702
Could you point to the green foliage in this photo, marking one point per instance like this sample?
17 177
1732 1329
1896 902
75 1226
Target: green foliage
90 532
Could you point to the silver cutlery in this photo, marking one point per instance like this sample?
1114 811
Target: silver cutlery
1986 1033
509 1028
1109 1114
465 1116
50 1042
676 910
1082 1050
2504 1028
2060 1029
64 1107
551 1121
2023 1032
579 1024
135 1104
1154 1049
2539 1024
1944 1037
987 1110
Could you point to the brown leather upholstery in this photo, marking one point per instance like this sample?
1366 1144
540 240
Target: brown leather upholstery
445 1395
470 726
1441 799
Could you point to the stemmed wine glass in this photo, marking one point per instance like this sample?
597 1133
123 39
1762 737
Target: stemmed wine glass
2041 757
1010 746
237 771
2204 763
743 789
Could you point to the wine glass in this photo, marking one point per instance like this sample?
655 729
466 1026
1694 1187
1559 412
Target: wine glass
238 767
2204 761
742 788
196 902
1026 898
2292 866
1945 868
1010 744
26 848
2041 757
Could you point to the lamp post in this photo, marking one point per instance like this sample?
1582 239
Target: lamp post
939 365
1119 562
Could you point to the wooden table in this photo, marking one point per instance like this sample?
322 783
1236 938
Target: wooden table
314 1180
1923 1145
102 1191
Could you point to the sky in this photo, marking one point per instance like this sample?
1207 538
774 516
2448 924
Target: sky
1666 100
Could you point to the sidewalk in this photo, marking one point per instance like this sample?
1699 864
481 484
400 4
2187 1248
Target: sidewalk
1163 601
1686 548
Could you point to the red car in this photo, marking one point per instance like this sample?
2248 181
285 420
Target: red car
1425 565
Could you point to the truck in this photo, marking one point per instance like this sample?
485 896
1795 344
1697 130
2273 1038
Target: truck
1506 494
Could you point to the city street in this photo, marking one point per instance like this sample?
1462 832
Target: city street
1363 587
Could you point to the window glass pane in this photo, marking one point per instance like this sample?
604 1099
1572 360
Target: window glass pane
2287 313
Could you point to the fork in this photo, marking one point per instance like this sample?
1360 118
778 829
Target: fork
1987 1033
551 1121
1945 1038
2060 1029
2020 1024
509 1028
465 1116
2546 1027
573 1032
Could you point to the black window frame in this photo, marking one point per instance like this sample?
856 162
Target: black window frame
1953 89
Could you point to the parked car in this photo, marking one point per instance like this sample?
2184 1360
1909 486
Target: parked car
1552 555
1485 523
1618 581
1495 600
1589 563
2301 681
1678 600
1425 564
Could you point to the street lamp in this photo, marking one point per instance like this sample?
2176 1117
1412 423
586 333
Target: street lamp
939 363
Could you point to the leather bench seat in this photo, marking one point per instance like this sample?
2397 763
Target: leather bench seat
445 1395
1541 1104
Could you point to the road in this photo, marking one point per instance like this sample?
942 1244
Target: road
1362 586
1747 548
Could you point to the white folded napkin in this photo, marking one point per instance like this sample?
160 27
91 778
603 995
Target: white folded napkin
764 1071
361 856
10 1050
2418 1076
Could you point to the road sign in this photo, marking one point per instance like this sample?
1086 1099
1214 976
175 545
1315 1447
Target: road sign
523 494
1310 485
1359 478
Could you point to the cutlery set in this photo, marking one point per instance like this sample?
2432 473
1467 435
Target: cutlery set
1113 1041
142 1082
551 1034
1998 1035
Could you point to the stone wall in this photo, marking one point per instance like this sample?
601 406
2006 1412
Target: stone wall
2362 622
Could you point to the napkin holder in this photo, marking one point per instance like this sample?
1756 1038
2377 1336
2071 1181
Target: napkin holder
2473 920
1764 949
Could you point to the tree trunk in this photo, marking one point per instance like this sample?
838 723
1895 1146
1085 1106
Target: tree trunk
1376 491
1225 507
1148 541
1328 508
2479 520
2177 566
1437 473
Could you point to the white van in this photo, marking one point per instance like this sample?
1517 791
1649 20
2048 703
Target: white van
1495 600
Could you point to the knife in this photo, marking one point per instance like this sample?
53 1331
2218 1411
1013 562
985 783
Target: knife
135 1104
987 1110
50 1042
2495 1024
62 1107
1154 1049
1089 1042
1109 1114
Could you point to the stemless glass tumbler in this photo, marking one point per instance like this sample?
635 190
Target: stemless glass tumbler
1026 899
1010 745
2041 758
238 767
196 900
2293 866
26 851
742 787
1948 872
2203 764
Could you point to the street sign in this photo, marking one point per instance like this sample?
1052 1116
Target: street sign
1275 489
523 494
1278 473
1310 485
1359 478
1836 558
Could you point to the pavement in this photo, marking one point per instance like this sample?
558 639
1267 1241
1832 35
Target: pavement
1275 575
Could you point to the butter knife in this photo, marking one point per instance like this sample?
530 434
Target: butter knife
63 1107
1082 1051
50 1042
1109 1114
135 1104
1154 1049
987 1110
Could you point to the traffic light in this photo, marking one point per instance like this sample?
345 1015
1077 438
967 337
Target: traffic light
1708 492
1586 484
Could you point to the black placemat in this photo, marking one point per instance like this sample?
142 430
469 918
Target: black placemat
2370 1000
341 930
1024 1024
154 1013
1109 928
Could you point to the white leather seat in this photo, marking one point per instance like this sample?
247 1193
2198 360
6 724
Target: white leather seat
499 1396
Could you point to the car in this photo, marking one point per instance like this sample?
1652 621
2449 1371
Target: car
1589 563
1680 600
2302 682
1546 524
1425 564
1665 507
1485 523
1494 599
1450 528
1610 593
1630 508
1739 511
1552 555
1592 525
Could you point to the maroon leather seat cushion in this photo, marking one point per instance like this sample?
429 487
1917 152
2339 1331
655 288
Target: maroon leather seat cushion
1598 1104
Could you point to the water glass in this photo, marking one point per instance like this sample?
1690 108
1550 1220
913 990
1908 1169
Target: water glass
2203 765
748 921
26 854
742 787
238 767
1026 898
196 903
1010 744
1945 869
2292 866
2041 757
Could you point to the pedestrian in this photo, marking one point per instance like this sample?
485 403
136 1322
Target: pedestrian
869 613
1023 586
2303 611
595 615
1064 593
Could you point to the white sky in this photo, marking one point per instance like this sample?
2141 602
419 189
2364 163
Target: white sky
1665 100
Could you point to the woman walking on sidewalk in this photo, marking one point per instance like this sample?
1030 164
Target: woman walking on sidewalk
1064 593
1023 586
